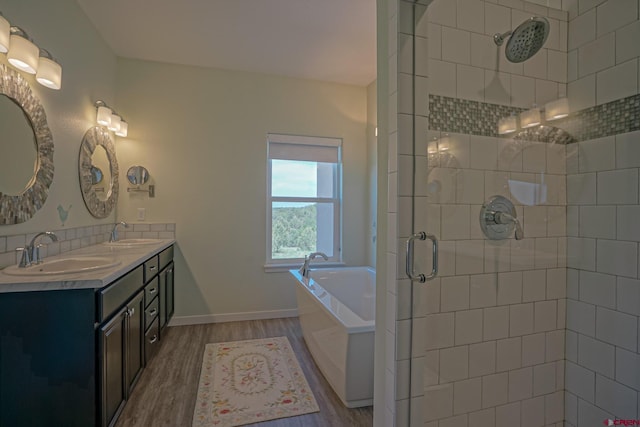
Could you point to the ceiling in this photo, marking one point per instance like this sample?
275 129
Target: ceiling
329 40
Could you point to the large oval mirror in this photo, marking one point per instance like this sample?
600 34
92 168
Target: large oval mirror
26 150
98 169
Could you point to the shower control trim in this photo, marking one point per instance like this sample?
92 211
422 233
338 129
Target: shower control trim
498 219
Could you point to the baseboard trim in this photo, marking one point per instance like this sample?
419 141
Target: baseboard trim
232 317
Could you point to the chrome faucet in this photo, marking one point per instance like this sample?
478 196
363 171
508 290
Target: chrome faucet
304 270
114 231
505 218
31 253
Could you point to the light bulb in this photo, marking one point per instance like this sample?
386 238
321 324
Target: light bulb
49 73
104 116
23 54
124 129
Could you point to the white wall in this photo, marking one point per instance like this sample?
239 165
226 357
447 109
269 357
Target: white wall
372 172
89 71
201 134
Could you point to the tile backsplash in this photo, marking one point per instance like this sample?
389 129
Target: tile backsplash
80 237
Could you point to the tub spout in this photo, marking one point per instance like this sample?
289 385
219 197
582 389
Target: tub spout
304 270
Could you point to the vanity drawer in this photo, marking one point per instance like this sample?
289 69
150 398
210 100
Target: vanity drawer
150 268
152 341
151 291
116 295
166 257
150 313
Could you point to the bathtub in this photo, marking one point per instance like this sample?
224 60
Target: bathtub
337 314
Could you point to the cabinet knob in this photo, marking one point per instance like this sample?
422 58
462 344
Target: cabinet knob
131 312
153 339
153 312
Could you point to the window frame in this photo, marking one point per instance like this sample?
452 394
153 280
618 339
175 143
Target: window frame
336 200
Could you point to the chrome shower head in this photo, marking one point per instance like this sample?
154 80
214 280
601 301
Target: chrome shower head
525 40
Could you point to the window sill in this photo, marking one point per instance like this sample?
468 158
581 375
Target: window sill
283 268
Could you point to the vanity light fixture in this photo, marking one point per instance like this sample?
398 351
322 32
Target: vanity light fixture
507 125
557 109
530 118
23 54
106 116
5 34
49 71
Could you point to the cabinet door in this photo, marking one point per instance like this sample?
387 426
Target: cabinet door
163 297
112 367
170 292
135 340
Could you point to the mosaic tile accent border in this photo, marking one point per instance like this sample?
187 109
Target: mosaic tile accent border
481 118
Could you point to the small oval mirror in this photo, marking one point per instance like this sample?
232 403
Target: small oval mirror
138 175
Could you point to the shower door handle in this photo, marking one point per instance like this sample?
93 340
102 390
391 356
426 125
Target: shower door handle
410 249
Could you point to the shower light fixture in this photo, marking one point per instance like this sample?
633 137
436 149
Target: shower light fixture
23 54
530 118
557 109
507 125
106 116
5 34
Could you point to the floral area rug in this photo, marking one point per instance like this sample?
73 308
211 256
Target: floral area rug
244 382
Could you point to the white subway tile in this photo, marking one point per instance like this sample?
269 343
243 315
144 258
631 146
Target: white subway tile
509 354
557 221
546 91
533 412
497 19
582 29
534 157
617 328
469 256
598 222
536 66
554 408
496 183
596 356
597 55
496 323
546 253
582 93
597 154
420 20
484 418
588 412
520 384
617 82
628 149
523 91
544 379
438 402
422 85
446 258
509 155
533 285
483 153
454 364
616 398
580 381
454 293
626 46
497 256
468 326
405 53
441 185
482 359
442 76
617 257
628 295
581 189
556 66
533 349
628 368
495 390
460 420
470 187
612 15
483 290
556 159
509 288
598 289
421 59
555 342
619 187
405 17
545 316
471 15
496 87
573 215
571 346
522 254
431 368
581 317
581 253
535 221
442 12
467 396
521 318
435 41
483 51
456 45
455 222
572 66
439 330
405 93
508 415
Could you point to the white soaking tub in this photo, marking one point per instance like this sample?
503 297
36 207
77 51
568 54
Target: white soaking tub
337 313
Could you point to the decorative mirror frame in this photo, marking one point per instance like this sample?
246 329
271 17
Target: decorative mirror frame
94 137
20 208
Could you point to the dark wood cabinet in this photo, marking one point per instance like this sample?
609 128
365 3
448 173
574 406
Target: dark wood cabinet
85 347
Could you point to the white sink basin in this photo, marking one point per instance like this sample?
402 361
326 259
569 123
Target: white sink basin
63 266
133 242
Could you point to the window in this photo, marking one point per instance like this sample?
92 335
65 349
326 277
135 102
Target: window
303 198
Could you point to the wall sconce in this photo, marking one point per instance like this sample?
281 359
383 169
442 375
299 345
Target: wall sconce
25 55
530 118
557 109
106 116
507 125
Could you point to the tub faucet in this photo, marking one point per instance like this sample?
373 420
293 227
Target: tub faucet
304 270
114 231
31 253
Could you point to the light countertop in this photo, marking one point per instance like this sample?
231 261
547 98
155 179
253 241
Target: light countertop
128 257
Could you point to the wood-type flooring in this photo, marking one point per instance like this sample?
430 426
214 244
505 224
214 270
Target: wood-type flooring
166 391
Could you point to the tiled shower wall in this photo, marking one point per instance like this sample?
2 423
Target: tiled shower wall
80 237
603 223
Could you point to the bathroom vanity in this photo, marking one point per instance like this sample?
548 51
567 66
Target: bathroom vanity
72 346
